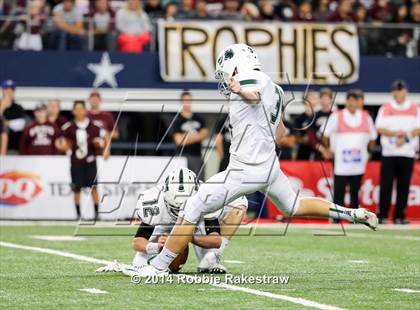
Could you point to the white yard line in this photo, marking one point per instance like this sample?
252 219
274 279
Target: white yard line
379 236
231 261
93 290
295 300
57 238
358 261
54 252
406 290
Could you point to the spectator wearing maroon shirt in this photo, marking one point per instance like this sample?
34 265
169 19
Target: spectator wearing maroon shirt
304 13
343 13
39 137
381 11
83 138
53 112
103 119
33 22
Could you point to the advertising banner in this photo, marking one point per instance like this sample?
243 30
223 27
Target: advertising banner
38 187
312 179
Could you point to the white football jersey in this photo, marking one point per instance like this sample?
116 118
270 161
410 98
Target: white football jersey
253 126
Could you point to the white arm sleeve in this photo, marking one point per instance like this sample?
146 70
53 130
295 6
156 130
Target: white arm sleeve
17 124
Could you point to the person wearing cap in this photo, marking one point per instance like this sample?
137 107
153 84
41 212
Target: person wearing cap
350 132
13 114
103 119
39 137
398 123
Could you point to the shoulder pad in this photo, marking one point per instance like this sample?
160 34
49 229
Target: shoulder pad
150 196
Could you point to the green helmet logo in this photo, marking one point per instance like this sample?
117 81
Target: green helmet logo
229 54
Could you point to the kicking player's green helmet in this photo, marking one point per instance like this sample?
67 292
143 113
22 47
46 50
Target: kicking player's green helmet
235 58
180 185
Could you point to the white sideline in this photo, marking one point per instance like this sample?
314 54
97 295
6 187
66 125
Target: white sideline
406 290
296 300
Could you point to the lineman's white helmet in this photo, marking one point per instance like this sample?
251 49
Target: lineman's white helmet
235 58
180 185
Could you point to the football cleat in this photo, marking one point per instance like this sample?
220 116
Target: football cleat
365 217
211 264
147 271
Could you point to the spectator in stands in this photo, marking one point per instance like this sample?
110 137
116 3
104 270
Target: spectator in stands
186 9
222 141
33 22
231 10
316 131
134 27
154 9
39 137
170 11
401 14
381 11
350 133
267 10
103 18
304 12
398 123
288 142
103 119
4 137
286 9
303 122
415 13
360 17
68 22
189 133
83 138
53 112
322 11
10 28
13 113
343 13
201 11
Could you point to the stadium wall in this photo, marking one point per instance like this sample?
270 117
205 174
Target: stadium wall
29 191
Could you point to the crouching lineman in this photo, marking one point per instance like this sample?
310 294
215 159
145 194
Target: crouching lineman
158 208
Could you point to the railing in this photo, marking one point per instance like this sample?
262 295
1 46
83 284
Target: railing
375 38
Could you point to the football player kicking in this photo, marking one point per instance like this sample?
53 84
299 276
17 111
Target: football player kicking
158 209
256 103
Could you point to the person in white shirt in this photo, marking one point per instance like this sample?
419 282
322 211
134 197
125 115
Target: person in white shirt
398 123
350 132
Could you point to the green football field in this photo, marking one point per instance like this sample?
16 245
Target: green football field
362 270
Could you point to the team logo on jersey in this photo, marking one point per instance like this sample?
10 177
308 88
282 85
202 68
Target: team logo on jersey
18 188
352 156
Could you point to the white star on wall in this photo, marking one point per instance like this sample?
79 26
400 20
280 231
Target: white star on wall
105 71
